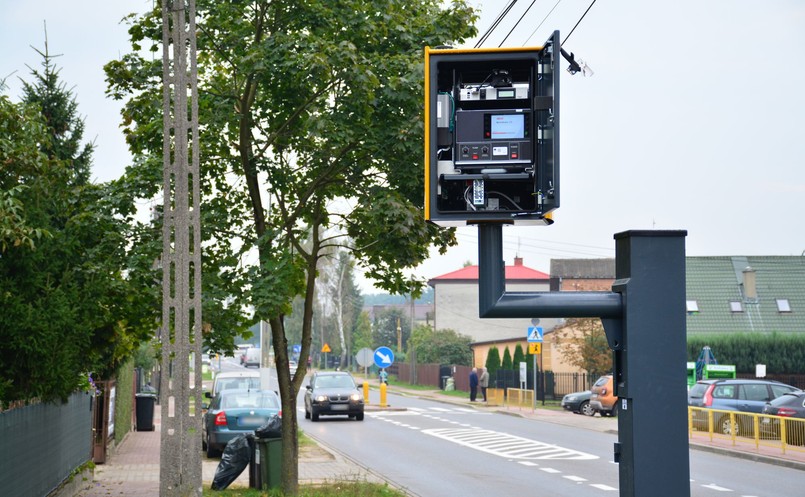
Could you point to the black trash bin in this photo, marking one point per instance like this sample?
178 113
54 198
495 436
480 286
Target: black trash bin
145 411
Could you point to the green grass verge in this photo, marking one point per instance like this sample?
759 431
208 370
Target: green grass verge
334 489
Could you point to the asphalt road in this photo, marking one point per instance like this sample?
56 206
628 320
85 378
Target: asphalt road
433 449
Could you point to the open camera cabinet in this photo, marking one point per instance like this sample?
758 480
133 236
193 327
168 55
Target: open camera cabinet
492 135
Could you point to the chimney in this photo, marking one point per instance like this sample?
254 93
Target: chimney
749 284
518 261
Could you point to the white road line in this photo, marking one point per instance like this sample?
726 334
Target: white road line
577 479
606 488
715 487
527 463
550 470
505 445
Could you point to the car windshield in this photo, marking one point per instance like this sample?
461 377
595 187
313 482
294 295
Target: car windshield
601 381
249 400
340 381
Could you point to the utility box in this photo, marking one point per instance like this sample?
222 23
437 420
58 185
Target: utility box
492 135
718 371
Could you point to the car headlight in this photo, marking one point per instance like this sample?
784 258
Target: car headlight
356 397
570 398
321 398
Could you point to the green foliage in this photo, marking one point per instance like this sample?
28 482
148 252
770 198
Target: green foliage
506 363
519 356
67 308
441 346
493 360
385 328
585 346
362 337
124 400
782 353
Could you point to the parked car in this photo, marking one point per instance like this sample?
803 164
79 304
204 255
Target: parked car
789 408
292 365
333 393
234 380
603 397
579 403
738 395
233 413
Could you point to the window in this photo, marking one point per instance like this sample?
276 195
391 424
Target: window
736 306
783 305
692 306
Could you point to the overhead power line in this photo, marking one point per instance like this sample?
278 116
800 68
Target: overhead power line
495 24
517 23
579 22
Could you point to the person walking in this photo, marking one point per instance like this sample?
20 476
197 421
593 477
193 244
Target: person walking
473 384
483 382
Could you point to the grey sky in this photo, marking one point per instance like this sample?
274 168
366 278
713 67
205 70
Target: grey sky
694 118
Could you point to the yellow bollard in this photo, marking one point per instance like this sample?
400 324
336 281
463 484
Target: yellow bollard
365 392
383 395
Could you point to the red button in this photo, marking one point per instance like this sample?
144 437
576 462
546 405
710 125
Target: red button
514 155
474 156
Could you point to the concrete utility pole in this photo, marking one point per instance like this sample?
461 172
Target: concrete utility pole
180 334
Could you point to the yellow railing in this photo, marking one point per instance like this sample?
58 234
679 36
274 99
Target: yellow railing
760 431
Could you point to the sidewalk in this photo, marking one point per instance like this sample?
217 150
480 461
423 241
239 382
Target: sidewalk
133 467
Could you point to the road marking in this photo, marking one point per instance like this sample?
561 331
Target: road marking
601 486
550 470
715 487
577 479
505 445
527 463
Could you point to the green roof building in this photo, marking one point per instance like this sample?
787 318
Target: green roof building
745 294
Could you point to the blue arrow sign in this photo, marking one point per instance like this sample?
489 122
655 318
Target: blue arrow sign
534 334
384 357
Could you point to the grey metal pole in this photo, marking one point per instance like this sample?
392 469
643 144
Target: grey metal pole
644 320
650 368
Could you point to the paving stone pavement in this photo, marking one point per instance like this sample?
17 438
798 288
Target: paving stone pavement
132 470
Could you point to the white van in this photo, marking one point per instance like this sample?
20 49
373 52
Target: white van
235 380
253 356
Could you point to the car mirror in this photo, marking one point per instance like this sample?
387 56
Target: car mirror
359 385
207 395
309 387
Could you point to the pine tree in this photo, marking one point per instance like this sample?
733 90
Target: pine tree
493 360
60 111
507 360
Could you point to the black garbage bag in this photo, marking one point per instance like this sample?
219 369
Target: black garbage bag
234 460
271 429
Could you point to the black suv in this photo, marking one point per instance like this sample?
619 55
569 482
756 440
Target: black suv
740 395
333 393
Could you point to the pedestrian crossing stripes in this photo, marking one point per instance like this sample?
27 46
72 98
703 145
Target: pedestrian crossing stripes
505 445
430 411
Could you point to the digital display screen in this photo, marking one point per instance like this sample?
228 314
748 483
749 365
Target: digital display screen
507 126
506 93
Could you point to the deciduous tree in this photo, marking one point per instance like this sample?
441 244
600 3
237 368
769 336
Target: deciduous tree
311 133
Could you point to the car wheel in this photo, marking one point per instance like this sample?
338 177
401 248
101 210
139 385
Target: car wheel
586 409
725 426
359 416
211 451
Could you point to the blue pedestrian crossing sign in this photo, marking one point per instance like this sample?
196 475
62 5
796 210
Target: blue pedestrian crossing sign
535 334
384 357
